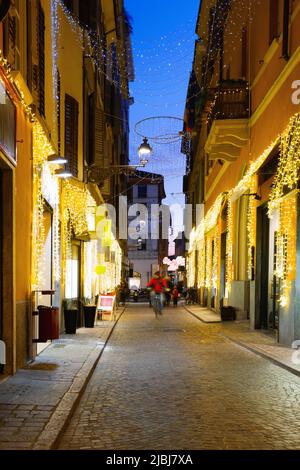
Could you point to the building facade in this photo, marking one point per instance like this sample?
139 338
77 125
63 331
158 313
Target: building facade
242 114
147 245
58 59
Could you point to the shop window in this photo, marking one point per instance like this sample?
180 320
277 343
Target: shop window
72 274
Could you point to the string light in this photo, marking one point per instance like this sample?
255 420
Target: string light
20 100
75 200
287 175
41 149
251 227
285 265
229 248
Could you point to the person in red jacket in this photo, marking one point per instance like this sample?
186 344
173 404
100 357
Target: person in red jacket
175 294
157 286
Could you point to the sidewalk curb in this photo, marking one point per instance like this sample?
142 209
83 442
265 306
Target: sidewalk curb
49 437
265 356
198 318
252 349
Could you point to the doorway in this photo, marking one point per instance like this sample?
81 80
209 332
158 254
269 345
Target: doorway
73 278
262 268
223 268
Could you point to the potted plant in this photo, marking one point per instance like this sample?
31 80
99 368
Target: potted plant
89 312
70 315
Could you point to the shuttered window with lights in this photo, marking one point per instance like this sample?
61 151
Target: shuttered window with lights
11 36
71 134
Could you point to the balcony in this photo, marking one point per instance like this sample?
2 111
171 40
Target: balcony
227 122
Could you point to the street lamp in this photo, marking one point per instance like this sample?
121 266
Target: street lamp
97 174
144 150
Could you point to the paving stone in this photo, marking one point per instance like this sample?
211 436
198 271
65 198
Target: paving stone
177 384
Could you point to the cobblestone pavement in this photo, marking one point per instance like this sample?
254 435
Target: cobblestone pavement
176 383
29 399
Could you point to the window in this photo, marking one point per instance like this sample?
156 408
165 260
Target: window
274 23
69 5
244 53
11 37
90 131
142 191
88 13
71 134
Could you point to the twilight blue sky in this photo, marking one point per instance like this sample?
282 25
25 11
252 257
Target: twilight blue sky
163 46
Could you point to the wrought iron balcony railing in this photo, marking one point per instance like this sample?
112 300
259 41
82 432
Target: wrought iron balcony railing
231 102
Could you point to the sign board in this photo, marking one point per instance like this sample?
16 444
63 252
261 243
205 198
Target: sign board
106 305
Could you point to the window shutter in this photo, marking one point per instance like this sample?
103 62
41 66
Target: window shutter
274 19
99 138
71 134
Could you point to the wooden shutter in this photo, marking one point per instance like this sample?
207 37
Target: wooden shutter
41 52
99 138
274 19
71 134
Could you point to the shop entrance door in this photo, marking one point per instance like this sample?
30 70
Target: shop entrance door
73 278
262 268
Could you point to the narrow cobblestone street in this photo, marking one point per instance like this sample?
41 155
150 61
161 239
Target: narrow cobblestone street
176 383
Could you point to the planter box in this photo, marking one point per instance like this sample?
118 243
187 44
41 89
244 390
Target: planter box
70 321
89 312
228 314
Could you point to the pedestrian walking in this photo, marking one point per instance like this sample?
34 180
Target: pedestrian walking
168 290
175 294
157 286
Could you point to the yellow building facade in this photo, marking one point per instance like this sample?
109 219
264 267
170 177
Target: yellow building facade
49 85
245 128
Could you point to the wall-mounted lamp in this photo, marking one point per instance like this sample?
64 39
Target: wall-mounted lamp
63 174
56 160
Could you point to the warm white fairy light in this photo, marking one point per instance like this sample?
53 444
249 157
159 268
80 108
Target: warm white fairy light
251 227
44 187
229 248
